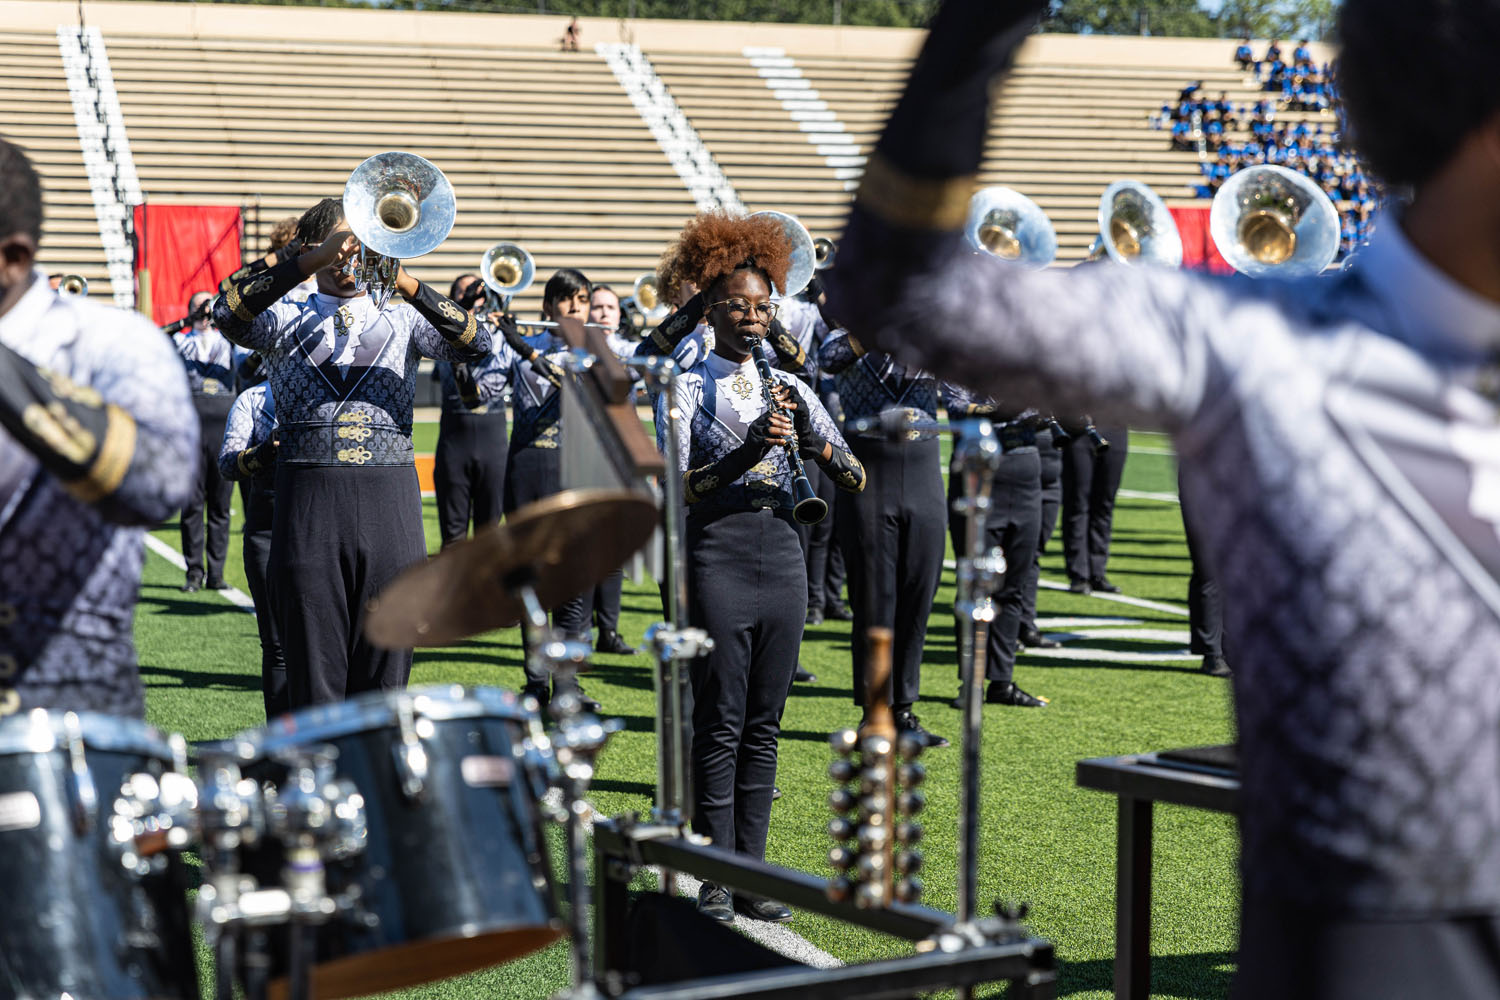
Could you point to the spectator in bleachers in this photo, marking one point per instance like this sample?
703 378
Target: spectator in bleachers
1302 55
1243 55
1273 52
571 35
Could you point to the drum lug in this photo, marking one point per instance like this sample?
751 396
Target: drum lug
80 780
411 755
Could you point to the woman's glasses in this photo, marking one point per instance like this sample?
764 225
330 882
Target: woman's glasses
739 307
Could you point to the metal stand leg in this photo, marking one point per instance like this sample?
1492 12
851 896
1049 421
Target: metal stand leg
1133 900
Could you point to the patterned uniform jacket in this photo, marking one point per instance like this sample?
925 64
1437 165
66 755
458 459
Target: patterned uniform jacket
250 424
344 375
1340 456
869 384
210 363
537 411
70 570
717 401
479 386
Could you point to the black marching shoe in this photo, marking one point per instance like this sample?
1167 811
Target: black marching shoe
585 703
775 792
1080 587
1215 666
609 641
758 908
803 676
1104 586
216 585
814 616
192 585
1010 694
1032 638
716 902
540 693
906 722
838 611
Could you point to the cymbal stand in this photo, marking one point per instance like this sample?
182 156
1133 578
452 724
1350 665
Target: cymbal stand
577 739
976 456
673 642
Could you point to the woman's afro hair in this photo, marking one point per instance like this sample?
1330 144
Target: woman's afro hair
716 244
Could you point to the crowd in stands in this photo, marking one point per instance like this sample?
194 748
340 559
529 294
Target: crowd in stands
1229 137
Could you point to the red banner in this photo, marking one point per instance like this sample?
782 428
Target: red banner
187 249
1198 250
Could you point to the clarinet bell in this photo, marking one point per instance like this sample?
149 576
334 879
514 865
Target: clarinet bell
809 508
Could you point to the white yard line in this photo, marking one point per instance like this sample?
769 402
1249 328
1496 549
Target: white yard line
238 598
1145 450
1147 495
1111 655
1135 602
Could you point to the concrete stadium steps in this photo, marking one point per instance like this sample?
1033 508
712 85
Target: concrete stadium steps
39 118
542 149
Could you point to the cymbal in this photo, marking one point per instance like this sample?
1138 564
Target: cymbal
560 545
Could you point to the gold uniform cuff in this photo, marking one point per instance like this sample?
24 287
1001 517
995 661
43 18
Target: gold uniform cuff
915 202
112 460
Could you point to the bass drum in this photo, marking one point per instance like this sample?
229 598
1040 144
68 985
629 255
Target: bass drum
455 875
80 923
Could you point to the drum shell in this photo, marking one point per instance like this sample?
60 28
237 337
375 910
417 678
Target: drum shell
78 922
454 879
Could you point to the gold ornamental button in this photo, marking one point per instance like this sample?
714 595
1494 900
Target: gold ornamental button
10 701
8 666
8 614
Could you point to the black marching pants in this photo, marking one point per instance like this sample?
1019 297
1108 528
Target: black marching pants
825 567
892 536
746 583
534 474
210 500
468 471
1205 601
606 601
1089 485
340 535
273 685
1051 462
1013 524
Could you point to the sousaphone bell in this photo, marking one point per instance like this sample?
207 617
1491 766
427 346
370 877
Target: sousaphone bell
1135 227
804 258
399 206
1005 223
1268 220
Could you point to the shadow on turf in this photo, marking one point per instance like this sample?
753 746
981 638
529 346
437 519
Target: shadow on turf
177 678
1204 976
186 606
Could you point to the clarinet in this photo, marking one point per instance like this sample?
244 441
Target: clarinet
807 507
1097 441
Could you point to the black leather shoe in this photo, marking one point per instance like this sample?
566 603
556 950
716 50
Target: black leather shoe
1080 587
586 704
1104 586
958 700
1033 639
838 611
540 693
757 908
804 677
1010 694
814 616
716 902
216 585
1215 666
775 792
610 642
906 722
191 586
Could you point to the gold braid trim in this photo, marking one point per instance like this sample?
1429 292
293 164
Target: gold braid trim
915 202
660 341
112 460
856 347
236 304
471 329
240 461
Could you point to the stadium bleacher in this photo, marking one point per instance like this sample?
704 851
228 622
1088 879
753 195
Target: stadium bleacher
270 107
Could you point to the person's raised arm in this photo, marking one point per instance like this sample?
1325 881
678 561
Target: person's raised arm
249 446
243 313
444 331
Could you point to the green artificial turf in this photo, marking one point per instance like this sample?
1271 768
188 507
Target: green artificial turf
1045 841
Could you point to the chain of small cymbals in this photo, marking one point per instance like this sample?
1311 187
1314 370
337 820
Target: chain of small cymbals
865 821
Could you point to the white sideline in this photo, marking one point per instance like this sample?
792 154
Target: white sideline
234 596
818 122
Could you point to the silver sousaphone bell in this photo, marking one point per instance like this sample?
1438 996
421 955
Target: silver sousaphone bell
1136 228
804 257
1268 220
399 206
1005 223
507 270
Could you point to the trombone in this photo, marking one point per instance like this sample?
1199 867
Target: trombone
1268 220
1005 223
1135 227
399 206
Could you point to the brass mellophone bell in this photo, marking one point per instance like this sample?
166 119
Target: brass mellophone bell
72 285
1135 227
1005 223
507 270
399 206
646 293
824 252
1268 220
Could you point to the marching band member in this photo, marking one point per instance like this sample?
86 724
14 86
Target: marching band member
892 533
604 309
98 440
209 360
248 455
1012 525
746 574
468 470
348 514
1051 459
1090 479
1337 444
